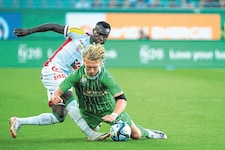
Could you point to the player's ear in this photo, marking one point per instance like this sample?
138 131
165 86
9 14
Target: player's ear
93 29
102 63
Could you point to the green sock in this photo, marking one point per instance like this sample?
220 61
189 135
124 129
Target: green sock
144 133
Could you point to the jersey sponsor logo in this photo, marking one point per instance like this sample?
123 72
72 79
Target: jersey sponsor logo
76 64
94 93
91 92
56 69
59 76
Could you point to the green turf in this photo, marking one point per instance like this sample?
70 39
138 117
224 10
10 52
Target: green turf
187 104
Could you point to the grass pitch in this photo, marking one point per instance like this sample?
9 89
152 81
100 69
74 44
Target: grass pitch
187 104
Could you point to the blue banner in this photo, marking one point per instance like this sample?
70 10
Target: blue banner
9 21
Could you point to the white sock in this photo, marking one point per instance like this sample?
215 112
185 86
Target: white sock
74 113
42 119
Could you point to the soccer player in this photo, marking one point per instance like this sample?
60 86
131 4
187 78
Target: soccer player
100 98
64 61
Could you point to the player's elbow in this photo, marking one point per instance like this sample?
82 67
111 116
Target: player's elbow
58 28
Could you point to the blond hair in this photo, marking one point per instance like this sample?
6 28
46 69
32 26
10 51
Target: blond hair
94 52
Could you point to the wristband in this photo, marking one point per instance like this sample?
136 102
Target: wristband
114 115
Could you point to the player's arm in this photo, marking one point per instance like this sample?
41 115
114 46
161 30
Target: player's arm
55 97
64 87
121 104
20 32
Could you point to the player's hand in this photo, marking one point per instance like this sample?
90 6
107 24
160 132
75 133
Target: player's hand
56 99
110 118
19 32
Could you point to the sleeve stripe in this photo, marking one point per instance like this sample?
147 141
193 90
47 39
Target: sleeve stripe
76 30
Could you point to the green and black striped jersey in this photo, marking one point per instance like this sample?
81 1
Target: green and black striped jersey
95 94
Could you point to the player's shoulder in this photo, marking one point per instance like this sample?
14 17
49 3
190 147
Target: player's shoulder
77 30
105 73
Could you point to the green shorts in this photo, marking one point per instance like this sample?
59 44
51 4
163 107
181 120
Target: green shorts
93 120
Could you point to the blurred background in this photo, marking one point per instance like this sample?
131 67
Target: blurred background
148 33
139 4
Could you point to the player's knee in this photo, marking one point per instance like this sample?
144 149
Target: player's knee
135 135
60 117
67 97
135 132
59 112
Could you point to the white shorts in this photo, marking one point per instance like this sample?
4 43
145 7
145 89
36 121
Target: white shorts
52 76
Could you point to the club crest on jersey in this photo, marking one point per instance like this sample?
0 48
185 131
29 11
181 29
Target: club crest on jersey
80 46
84 79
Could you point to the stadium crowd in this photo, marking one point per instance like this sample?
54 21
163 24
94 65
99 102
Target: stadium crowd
137 4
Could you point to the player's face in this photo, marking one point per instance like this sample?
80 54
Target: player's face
92 67
100 34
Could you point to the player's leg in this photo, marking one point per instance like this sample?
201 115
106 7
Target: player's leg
42 119
156 134
58 114
75 115
138 131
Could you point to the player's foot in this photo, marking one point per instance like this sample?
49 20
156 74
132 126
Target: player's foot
98 137
154 134
14 126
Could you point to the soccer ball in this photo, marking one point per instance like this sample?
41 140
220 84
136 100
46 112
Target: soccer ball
120 131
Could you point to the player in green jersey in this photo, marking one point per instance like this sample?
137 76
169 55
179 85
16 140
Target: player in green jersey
100 98
66 59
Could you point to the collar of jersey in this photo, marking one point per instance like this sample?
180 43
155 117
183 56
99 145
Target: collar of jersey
93 78
91 42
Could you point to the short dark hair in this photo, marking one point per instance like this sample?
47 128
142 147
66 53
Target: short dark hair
104 24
